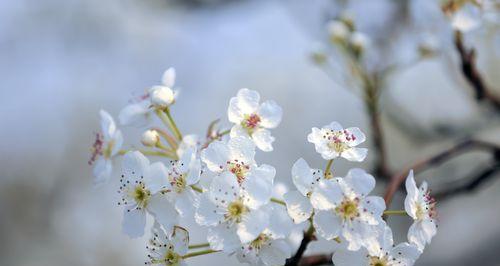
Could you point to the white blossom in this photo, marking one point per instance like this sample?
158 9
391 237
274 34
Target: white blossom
351 213
338 31
380 251
105 148
150 138
168 249
422 208
182 174
253 119
333 141
233 213
190 141
142 189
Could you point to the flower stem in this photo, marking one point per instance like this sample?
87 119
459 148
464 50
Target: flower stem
275 200
199 253
166 118
177 132
171 140
204 245
397 212
151 153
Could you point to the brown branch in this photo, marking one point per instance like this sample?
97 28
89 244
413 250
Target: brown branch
471 73
316 260
308 237
462 147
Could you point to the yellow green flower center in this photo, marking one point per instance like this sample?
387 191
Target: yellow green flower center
179 183
235 211
376 261
250 122
259 242
348 209
239 169
141 195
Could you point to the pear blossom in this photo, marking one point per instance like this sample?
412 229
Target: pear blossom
233 213
139 111
351 213
338 31
168 249
422 208
467 18
305 180
105 148
143 186
270 247
333 141
380 252
253 119
190 141
181 175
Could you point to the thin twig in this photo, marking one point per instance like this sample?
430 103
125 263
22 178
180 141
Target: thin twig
308 237
471 73
462 147
316 260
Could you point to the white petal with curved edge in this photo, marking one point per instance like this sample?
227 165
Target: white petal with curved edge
180 240
358 134
258 186
156 177
134 165
248 101
168 77
224 189
280 224
276 253
334 126
298 206
207 213
375 206
134 222
355 154
421 233
263 139
223 237
188 141
234 113
359 181
315 137
163 210
358 234
194 173
102 171
406 253
327 195
242 149
327 224
185 161
117 142
270 113
108 126
253 224
302 176
186 202
412 196
215 156
135 114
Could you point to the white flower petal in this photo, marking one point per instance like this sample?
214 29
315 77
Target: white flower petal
280 224
275 253
412 196
117 142
258 186
242 149
270 113
223 237
168 77
234 113
421 233
327 195
186 202
358 134
253 224
336 126
134 221
298 206
135 114
207 213
355 154
374 205
263 139
302 176
188 141
215 156
406 253
327 224
358 234
224 189
359 181
248 101
180 240
134 165
102 171
156 177
108 126
163 211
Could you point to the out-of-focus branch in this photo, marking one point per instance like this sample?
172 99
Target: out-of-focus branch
473 184
316 260
460 148
471 73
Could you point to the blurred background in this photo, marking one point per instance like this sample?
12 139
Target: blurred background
62 61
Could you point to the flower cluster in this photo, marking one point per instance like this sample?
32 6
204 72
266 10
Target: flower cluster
217 182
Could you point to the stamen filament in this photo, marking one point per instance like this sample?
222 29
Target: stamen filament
199 253
204 245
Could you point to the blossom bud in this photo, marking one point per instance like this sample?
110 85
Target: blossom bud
338 31
150 138
358 41
162 96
